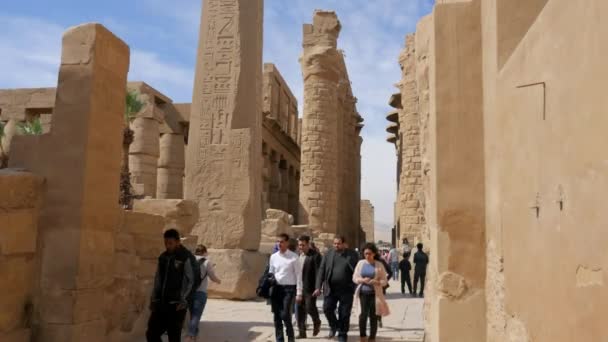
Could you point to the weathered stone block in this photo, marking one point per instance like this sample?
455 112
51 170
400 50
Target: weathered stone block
22 335
15 285
239 271
139 224
18 231
176 213
19 189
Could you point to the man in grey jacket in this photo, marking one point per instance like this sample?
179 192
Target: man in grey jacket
335 277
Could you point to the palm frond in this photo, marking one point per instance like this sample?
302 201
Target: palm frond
33 127
134 105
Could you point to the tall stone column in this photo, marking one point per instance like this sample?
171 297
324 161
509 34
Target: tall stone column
319 185
411 193
81 154
144 152
223 170
171 164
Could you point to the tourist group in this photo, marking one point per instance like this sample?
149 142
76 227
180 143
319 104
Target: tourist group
296 275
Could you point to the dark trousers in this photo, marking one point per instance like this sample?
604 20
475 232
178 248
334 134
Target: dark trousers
308 306
368 312
341 323
283 300
406 279
422 277
163 319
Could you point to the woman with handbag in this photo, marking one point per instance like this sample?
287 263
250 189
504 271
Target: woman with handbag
370 277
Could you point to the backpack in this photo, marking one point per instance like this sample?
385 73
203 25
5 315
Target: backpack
196 270
266 284
201 262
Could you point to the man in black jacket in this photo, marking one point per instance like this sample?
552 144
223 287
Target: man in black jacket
172 286
335 277
421 260
311 261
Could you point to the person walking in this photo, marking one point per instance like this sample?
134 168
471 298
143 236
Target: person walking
406 246
172 287
421 260
405 267
393 256
199 299
335 278
285 266
310 261
370 277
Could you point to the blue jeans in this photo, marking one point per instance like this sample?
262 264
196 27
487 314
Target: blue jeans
395 268
196 311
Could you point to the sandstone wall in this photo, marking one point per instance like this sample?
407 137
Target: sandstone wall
20 200
544 120
280 150
367 220
411 220
224 147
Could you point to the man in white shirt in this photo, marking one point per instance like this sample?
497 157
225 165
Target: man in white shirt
287 270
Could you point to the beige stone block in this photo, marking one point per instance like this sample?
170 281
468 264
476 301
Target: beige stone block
176 213
19 189
92 331
124 242
139 223
147 268
172 153
126 265
18 231
15 285
21 335
146 137
239 271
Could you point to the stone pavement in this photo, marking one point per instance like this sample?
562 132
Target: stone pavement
229 321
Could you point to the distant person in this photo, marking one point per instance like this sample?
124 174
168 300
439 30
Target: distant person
393 256
405 267
310 261
172 286
285 266
421 260
406 246
199 300
370 276
335 277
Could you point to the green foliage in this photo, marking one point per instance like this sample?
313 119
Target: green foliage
134 105
33 127
1 129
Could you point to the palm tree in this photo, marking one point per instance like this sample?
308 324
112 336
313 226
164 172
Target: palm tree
133 106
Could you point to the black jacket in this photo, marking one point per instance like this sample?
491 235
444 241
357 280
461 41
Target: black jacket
421 260
327 267
312 262
174 277
405 266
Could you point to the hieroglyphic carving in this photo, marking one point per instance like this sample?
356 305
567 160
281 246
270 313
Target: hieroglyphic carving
218 63
221 159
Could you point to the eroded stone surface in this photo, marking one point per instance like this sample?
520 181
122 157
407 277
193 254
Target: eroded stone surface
224 146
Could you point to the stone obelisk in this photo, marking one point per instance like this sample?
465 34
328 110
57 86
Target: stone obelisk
223 164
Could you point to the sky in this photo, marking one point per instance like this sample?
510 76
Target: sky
163 37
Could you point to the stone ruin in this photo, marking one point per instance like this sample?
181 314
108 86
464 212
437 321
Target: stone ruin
74 265
499 132
224 170
330 191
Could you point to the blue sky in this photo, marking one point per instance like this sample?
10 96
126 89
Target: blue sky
163 39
